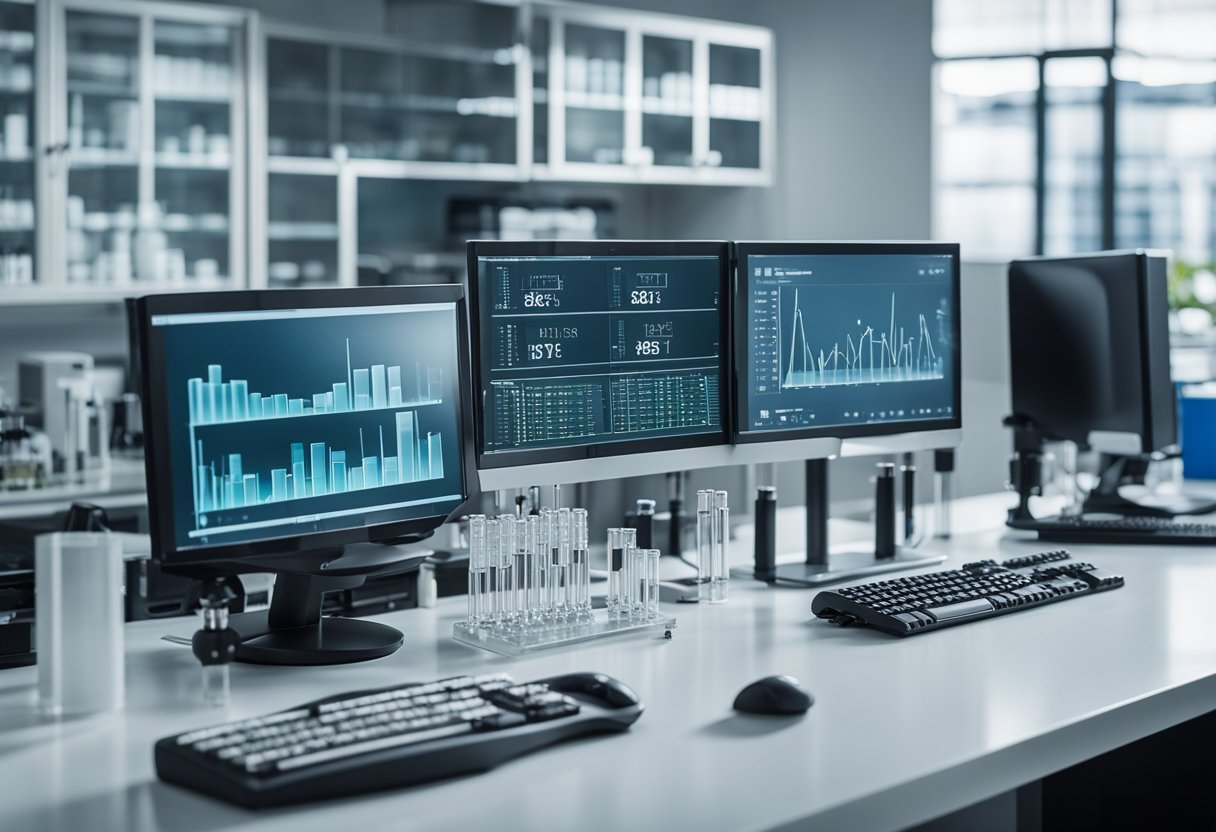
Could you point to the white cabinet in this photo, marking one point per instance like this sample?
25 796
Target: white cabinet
624 96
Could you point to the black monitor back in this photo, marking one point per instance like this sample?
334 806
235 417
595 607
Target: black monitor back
1089 350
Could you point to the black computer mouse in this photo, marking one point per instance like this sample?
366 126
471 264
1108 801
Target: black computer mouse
776 695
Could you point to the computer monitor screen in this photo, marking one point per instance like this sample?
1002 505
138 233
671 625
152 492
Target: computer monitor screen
300 419
846 339
1089 350
597 349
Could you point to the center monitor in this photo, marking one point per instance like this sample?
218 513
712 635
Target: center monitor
613 351
846 339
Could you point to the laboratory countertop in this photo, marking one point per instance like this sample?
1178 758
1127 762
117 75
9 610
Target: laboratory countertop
902 731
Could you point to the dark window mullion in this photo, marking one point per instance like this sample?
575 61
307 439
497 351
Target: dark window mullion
1108 158
1040 168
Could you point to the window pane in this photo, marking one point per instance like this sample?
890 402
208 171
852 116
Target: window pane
985 156
1072 215
966 28
1172 28
1166 166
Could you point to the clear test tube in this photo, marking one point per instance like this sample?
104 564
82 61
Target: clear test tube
493 573
534 569
477 570
563 589
721 529
506 564
549 567
629 583
640 589
581 559
650 583
616 556
520 570
705 541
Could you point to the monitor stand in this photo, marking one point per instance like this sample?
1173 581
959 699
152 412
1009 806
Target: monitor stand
293 632
823 566
1106 499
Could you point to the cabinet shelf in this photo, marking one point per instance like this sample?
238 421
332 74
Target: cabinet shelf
101 157
193 161
301 231
101 89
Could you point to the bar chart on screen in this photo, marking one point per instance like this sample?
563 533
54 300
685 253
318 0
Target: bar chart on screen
252 448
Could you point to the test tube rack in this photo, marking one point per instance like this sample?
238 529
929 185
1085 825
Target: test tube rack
530 585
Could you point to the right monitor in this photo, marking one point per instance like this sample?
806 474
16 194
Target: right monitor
1089 350
846 339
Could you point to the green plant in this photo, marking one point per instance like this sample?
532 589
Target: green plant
1182 286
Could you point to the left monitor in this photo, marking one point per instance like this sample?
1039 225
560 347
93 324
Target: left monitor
612 351
285 427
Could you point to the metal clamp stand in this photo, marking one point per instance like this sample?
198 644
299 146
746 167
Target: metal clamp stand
215 645
823 566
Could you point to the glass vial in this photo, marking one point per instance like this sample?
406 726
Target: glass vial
563 586
650 583
477 570
721 539
705 542
616 555
522 553
506 563
581 559
629 581
535 557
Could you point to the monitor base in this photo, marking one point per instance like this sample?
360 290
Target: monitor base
329 641
1117 471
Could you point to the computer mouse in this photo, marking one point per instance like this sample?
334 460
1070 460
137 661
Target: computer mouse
776 695
612 693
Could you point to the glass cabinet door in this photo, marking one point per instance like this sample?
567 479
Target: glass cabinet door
103 138
193 80
540 37
17 184
456 107
299 113
736 106
667 101
594 64
154 148
302 230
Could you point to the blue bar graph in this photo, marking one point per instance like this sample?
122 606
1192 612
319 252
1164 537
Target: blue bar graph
316 470
378 387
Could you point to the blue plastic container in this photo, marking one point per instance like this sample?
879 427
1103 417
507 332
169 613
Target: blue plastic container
1197 413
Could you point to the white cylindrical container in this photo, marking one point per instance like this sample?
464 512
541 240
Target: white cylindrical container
78 605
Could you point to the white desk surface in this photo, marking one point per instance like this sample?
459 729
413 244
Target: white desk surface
902 730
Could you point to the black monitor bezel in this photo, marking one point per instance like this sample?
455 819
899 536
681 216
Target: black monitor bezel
157 466
487 460
743 250
1158 417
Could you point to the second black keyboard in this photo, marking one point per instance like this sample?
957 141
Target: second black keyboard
920 603
1128 530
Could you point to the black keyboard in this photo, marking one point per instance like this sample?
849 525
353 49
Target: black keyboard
396 736
1120 530
917 604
